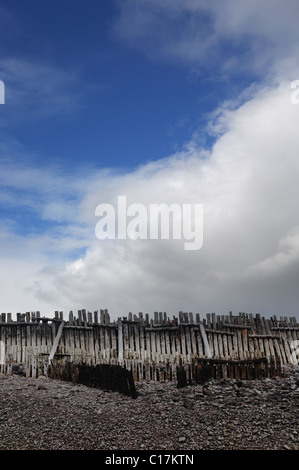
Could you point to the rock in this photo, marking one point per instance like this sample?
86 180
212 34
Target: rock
175 399
59 396
41 387
220 418
19 368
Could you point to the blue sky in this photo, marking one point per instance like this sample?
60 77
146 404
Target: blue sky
99 99
180 101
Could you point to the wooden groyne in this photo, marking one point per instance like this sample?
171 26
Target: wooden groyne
152 348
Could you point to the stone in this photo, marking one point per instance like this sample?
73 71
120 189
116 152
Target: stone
93 419
59 396
41 387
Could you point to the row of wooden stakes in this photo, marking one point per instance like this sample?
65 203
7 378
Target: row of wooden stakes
151 348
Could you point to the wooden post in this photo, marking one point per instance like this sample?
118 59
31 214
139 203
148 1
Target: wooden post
137 354
126 340
56 341
107 342
188 343
114 345
239 337
193 340
107 317
120 343
225 346
205 340
158 345
199 342
147 355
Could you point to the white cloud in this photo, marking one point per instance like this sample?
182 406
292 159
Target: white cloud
248 185
234 36
285 256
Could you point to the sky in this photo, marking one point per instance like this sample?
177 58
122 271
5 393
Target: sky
174 102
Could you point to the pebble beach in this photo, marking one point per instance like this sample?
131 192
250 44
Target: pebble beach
46 414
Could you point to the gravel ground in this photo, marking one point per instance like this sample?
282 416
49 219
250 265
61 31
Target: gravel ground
45 414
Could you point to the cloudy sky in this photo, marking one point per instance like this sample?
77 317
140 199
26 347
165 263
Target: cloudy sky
180 101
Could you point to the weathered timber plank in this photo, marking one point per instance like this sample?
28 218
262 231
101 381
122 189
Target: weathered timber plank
163 346
19 344
245 337
71 343
260 333
225 350
235 340
285 328
263 336
56 342
193 341
148 344
238 320
219 332
120 357
213 337
275 340
270 336
266 340
183 340
236 326
207 348
221 345
188 343
158 345
137 353
142 339
107 341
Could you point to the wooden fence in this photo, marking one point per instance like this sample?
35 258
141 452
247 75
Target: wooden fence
153 349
